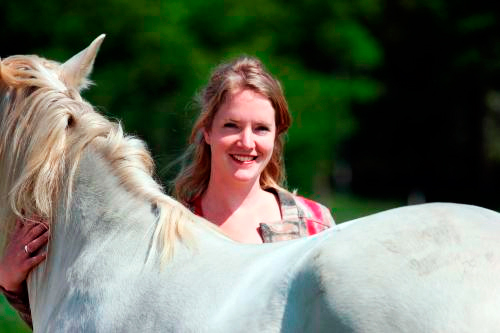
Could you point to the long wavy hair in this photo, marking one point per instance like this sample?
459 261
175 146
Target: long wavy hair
242 73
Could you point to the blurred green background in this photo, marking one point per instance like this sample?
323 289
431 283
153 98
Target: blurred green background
394 102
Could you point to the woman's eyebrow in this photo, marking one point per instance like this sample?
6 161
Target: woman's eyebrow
258 122
265 123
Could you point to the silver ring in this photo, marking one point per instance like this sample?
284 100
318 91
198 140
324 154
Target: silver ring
26 249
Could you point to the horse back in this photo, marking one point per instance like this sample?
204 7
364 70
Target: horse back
432 267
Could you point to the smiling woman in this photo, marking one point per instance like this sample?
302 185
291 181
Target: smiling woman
234 170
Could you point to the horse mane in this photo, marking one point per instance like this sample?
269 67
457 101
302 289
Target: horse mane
45 127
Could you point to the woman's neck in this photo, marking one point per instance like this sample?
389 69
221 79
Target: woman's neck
223 198
239 211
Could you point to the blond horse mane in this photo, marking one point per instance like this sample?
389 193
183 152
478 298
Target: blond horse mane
45 127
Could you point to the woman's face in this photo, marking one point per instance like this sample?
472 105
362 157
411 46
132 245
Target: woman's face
241 137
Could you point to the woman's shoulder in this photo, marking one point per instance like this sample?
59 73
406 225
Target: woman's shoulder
317 216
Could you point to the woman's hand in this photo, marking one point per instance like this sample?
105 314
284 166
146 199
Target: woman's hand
23 253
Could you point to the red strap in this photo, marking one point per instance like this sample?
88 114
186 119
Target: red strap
316 223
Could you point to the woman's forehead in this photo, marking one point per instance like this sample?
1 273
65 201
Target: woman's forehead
246 104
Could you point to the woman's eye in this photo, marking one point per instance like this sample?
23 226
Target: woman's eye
230 125
262 129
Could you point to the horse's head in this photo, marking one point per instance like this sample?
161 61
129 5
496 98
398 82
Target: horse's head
45 126
40 107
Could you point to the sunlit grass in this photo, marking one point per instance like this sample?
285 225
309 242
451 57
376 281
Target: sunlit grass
9 320
346 207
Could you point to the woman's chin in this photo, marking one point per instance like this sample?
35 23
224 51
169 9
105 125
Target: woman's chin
245 177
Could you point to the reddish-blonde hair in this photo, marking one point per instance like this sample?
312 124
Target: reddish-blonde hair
241 73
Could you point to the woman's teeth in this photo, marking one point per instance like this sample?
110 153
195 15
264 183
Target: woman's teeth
242 158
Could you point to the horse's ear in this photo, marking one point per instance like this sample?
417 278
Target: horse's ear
75 71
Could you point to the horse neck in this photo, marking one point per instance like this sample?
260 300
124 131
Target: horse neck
106 225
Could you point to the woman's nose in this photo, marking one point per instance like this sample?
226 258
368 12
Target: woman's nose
246 139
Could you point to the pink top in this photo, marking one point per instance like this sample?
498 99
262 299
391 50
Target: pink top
301 217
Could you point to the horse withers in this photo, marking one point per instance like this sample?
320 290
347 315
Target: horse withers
124 256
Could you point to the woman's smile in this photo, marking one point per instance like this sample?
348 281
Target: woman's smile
243 158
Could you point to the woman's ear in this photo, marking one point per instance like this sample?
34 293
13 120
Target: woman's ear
206 135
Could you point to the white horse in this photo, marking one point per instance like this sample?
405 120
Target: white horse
124 257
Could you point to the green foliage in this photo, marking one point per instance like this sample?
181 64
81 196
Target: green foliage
350 70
